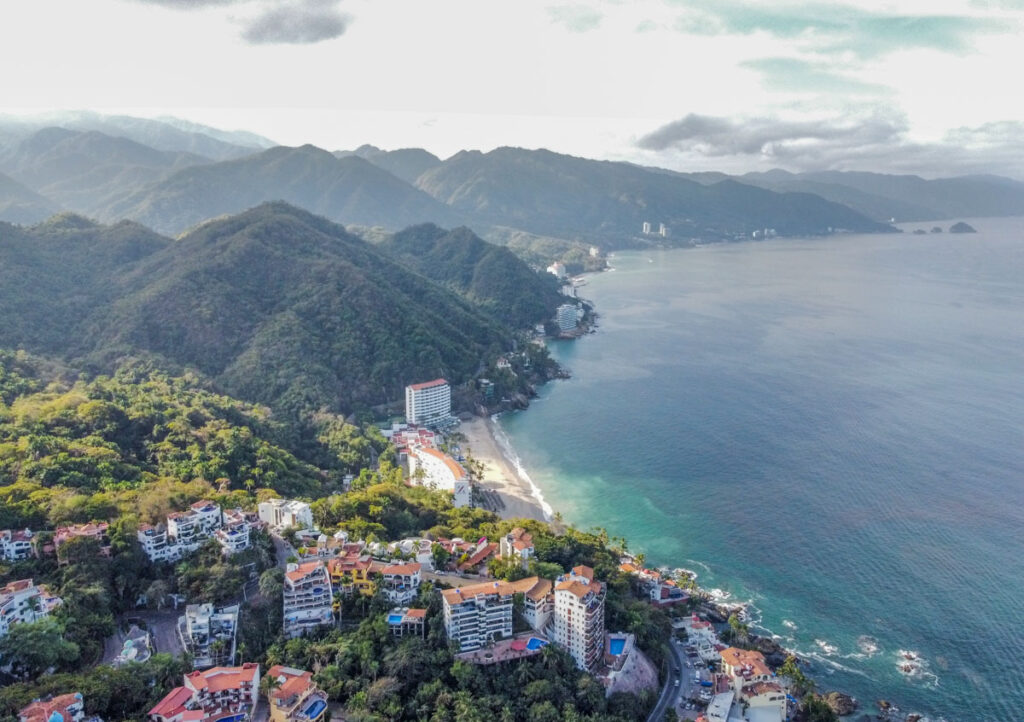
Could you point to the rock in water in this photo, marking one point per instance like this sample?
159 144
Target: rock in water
841 704
961 227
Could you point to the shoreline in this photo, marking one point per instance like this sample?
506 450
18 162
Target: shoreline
503 475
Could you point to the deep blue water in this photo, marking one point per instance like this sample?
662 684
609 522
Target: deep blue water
832 429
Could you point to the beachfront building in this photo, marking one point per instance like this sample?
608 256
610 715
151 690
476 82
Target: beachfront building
284 513
307 598
565 316
517 544
557 269
62 708
439 471
578 624
401 582
428 403
16 545
92 530
189 529
404 622
294 696
23 601
208 634
221 693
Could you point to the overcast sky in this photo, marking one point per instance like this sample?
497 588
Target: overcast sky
933 86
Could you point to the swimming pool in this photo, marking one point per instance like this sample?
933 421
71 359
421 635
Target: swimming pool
534 644
314 709
615 646
395 619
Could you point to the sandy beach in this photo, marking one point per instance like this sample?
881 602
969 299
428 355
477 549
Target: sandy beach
515 496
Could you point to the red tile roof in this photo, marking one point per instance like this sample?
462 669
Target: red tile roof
427 384
303 570
479 556
173 703
402 569
219 679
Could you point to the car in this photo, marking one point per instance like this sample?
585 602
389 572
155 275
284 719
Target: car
677 683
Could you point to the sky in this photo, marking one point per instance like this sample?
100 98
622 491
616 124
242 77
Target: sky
930 87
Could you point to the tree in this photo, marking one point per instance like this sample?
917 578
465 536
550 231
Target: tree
816 709
790 669
34 648
156 593
272 583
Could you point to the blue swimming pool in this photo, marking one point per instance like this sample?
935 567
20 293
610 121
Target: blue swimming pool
534 644
615 646
395 619
232 718
314 709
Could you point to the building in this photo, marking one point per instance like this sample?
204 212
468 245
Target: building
441 472
428 403
538 601
557 269
646 228
308 598
156 545
189 529
565 316
284 513
233 537
578 624
477 555
404 622
353 573
16 545
744 666
517 544
294 696
222 693
209 634
478 614
24 601
63 708
92 530
662 230
401 582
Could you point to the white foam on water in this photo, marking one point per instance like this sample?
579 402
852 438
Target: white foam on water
505 444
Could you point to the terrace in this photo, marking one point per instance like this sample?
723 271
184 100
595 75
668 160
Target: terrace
507 650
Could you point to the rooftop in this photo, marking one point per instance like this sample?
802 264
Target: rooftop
428 384
743 659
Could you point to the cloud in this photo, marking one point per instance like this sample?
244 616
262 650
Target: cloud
191 4
576 18
839 29
296 22
795 75
873 141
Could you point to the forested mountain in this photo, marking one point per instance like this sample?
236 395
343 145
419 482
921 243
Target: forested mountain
903 197
548 193
276 305
19 204
491 276
405 163
347 190
84 171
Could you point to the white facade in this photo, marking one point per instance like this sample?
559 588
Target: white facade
283 513
428 403
189 529
24 601
15 545
478 614
233 537
401 582
308 598
156 545
557 269
578 620
208 634
440 472
566 317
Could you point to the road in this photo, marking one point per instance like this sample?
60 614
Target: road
670 692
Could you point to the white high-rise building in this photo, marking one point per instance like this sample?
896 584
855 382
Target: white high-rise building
208 634
308 598
566 317
579 616
440 472
189 529
283 513
24 601
428 403
477 614
647 228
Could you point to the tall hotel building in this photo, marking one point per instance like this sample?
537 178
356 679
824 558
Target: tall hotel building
428 403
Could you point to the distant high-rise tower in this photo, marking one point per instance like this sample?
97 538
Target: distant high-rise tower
662 230
428 403
647 228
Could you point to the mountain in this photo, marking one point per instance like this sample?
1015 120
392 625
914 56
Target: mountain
348 190
405 163
168 134
903 197
491 276
85 170
19 204
548 193
275 305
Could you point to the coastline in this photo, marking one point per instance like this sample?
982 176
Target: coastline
503 475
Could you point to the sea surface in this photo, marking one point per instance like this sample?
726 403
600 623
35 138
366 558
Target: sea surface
831 429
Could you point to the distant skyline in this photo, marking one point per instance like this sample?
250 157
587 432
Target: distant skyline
729 85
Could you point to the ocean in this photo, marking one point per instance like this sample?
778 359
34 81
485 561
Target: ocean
830 429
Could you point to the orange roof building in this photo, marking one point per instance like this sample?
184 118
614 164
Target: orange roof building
294 696
211 694
63 708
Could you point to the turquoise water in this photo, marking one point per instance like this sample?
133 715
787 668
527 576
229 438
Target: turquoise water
534 644
831 429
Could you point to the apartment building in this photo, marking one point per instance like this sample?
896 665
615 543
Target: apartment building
62 708
294 696
401 582
16 545
578 619
233 536
156 545
209 634
428 403
353 573
220 693
284 513
308 598
24 601
404 622
191 528
478 614
92 530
